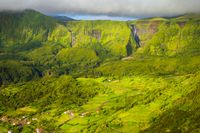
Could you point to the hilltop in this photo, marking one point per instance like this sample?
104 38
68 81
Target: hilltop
63 18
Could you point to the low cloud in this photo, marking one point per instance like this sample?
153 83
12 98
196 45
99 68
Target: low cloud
134 8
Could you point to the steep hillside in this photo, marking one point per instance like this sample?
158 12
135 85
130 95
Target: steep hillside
99 76
169 37
24 27
34 40
111 36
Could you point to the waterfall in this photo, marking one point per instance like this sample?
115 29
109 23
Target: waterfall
135 36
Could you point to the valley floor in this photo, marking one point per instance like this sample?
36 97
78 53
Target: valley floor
129 104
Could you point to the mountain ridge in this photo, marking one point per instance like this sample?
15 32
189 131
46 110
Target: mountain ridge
63 18
91 76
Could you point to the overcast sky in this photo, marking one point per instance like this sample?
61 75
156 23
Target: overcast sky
125 8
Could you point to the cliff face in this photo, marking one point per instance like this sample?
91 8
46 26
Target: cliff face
23 28
168 37
157 36
111 36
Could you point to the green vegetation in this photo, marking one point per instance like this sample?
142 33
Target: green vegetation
13 71
88 76
112 36
80 59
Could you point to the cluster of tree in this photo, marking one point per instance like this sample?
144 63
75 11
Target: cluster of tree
14 71
63 91
184 64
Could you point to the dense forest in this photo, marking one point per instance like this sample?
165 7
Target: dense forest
99 76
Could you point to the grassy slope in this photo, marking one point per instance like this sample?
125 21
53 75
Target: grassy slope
33 40
155 90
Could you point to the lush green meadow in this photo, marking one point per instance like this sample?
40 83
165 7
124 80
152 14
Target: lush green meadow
89 76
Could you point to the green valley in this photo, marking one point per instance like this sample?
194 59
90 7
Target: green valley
97 76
